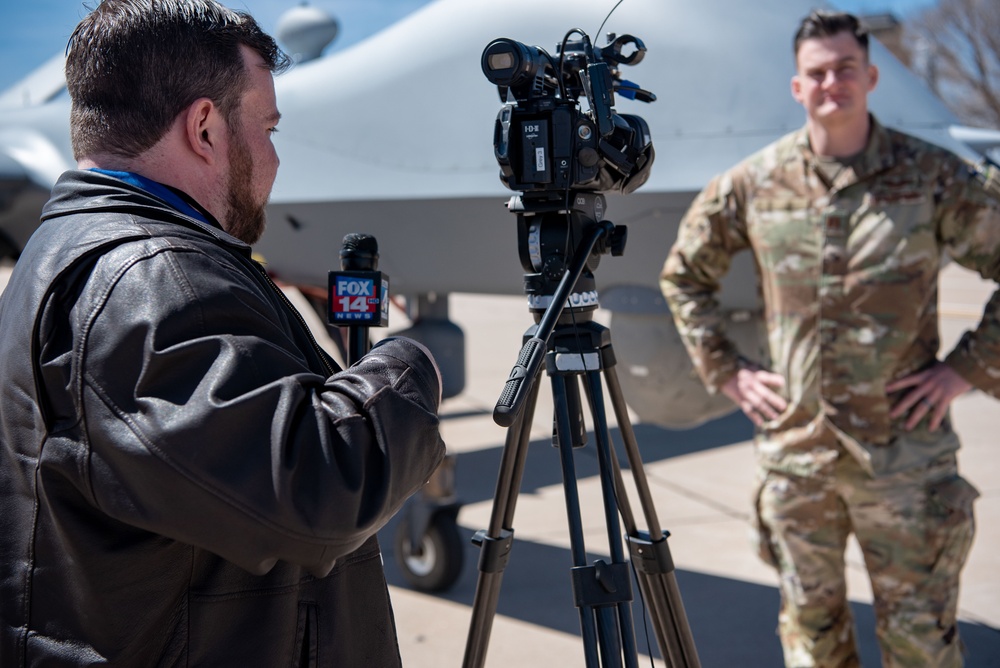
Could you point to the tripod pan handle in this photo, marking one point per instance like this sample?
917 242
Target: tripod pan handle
519 382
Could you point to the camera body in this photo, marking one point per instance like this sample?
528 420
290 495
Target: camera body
543 140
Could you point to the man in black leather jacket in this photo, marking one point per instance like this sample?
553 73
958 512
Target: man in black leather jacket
186 478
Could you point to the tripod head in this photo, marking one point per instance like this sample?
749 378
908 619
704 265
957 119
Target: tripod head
550 226
561 240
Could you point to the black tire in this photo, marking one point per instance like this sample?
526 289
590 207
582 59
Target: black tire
436 563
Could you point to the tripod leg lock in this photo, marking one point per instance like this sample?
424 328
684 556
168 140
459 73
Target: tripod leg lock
602 584
495 552
651 557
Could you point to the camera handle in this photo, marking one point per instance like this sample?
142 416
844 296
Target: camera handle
602 591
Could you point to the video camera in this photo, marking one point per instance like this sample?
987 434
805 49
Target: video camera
542 139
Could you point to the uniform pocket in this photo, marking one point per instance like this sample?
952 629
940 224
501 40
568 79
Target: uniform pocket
950 522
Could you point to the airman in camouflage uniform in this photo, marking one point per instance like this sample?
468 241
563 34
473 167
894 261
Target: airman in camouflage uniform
848 221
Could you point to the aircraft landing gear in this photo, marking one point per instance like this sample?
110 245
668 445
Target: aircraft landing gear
429 549
428 546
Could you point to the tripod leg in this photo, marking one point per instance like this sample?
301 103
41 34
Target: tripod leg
495 543
565 437
614 498
650 553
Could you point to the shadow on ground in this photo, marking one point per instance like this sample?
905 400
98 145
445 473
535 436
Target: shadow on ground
476 471
732 622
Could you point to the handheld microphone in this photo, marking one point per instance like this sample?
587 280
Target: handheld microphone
359 295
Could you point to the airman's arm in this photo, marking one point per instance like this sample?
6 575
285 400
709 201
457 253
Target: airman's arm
970 230
711 231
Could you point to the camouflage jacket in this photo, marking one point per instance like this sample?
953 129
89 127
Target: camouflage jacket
848 274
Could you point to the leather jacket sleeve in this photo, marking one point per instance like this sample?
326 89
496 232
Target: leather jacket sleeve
208 418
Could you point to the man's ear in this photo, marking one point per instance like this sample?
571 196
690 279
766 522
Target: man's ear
872 77
796 89
204 128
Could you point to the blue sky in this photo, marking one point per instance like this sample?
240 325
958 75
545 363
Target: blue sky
32 31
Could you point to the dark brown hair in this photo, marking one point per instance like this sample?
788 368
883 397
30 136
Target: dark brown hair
133 65
822 23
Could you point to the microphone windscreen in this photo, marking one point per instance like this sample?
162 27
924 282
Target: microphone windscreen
359 252
363 243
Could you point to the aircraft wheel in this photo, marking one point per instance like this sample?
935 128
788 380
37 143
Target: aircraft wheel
435 564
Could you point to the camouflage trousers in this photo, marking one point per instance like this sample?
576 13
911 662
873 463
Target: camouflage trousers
915 530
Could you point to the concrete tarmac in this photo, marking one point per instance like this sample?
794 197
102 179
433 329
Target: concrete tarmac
701 481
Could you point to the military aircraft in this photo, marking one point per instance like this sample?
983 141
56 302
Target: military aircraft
393 137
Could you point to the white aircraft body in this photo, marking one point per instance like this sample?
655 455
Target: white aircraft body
393 137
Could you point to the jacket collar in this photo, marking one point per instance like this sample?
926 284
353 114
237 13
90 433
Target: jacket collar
173 197
85 191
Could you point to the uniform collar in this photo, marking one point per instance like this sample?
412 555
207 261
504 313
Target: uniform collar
876 157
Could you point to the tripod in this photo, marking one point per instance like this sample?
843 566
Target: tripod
576 348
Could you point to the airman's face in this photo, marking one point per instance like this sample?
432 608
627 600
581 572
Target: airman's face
833 79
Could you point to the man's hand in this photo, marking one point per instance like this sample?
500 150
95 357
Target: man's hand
751 390
932 390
